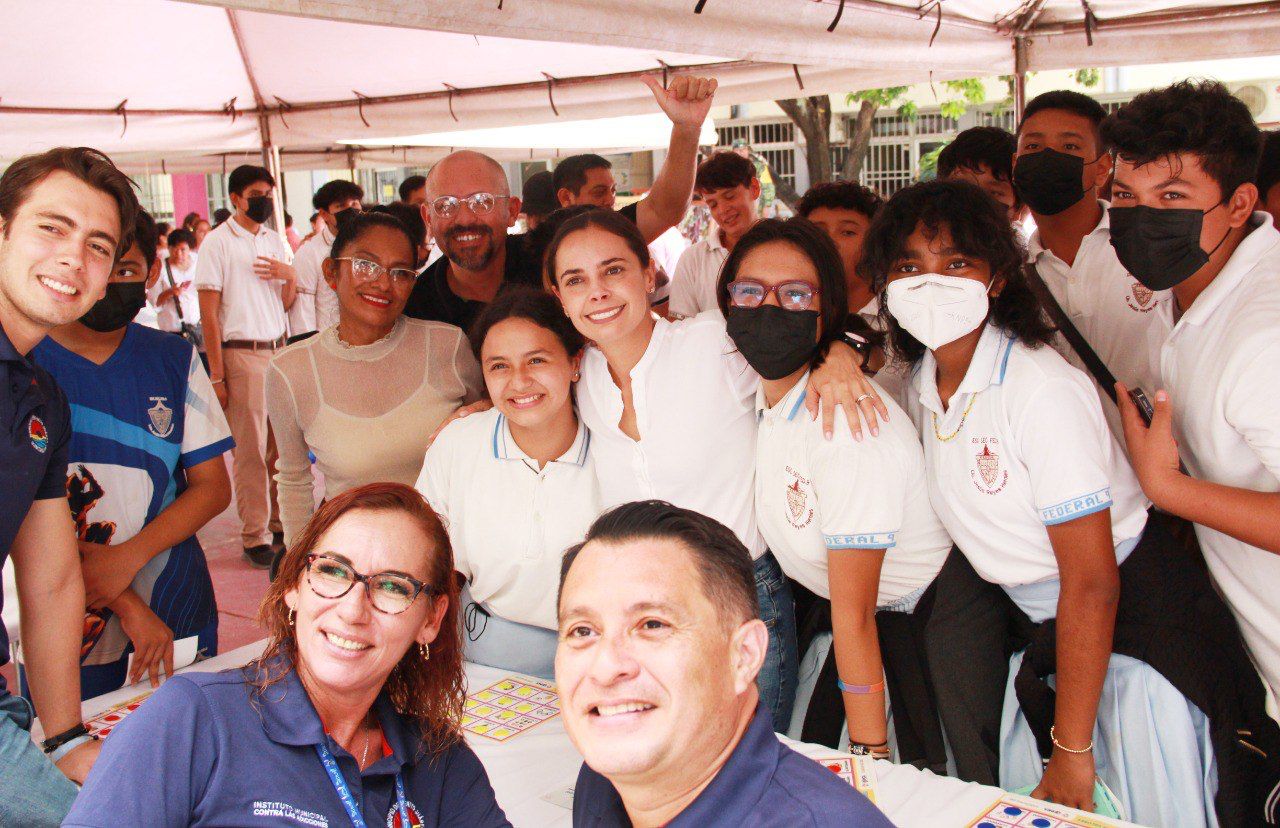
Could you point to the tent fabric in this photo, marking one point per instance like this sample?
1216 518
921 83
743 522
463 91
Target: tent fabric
155 81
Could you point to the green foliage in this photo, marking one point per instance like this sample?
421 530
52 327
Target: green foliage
1087 77
929 164
880 97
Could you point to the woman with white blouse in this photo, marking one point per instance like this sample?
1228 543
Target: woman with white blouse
1121 640
516 484
848 520
670 406
365 395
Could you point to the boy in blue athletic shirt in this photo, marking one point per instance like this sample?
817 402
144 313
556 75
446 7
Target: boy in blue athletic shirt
144 473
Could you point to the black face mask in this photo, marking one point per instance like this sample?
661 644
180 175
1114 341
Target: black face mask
775 341
117 308
1049 181
259 209
1160 248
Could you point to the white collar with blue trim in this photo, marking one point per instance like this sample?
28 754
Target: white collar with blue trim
506 448
987 368
789 406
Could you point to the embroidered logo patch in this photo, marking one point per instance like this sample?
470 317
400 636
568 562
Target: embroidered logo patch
799 514
393 816
161 417
987 474
1140 297
36 431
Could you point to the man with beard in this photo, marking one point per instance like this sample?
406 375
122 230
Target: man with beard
468 211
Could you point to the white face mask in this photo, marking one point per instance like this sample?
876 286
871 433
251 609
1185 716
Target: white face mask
937 309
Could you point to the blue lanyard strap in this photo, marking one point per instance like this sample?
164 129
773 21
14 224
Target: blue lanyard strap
344 792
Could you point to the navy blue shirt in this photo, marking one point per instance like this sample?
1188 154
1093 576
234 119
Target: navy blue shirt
33 453
204 751
763 783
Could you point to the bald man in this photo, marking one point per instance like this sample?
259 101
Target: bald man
469 209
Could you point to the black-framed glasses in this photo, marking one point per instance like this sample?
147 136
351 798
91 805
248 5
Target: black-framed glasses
481 204
366 271
795 296
388 592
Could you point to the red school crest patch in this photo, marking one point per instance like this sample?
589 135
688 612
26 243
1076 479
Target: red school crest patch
799 513
1140 296
39 436
987 474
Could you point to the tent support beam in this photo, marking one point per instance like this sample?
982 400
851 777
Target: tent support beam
1141 21
270 155
1019 77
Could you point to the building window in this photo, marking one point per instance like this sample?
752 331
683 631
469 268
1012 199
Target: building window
155 194
783 132
783 162
726 135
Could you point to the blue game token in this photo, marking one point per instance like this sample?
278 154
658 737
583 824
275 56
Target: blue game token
1041 822
1012 811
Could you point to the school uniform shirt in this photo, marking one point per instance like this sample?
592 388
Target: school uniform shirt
33 453
1222 369
138 421
304 315
167 311
1022 446
509 521
206 750
763 782
693 287
1122 320
815 495
252 308
694 399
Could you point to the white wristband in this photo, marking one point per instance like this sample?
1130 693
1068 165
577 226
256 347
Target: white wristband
62 750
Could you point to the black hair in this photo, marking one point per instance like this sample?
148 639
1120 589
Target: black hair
182 236
538 195
840 195
1067 100
336 192
571 173
537 306
352 227
722 562
146 236
220 215
724 170
978 147
189 220
979 228
162 230
413 182
539 238
1199 118
608 220
1269 163
411 217
813 243
247 175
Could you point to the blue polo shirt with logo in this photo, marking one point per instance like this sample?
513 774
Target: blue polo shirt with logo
33 454
763 783
205 750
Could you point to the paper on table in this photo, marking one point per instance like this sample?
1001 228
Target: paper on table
858 771
184 655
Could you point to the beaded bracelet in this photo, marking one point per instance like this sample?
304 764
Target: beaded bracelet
1060 746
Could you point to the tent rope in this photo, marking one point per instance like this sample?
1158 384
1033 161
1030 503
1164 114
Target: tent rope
698 8
451 89
665 71
836 21
284 106
1090 20
360 99
229 108
930 7
795 68
551 82
124 115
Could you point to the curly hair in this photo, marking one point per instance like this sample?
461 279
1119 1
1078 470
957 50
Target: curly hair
979 228
724 170
1196 118
840 195
427 692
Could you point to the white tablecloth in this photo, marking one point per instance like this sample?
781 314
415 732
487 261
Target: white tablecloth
541 761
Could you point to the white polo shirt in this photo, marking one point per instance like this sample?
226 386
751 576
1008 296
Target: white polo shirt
815 494
509 522
694 398
1125 322
693 287
251 307
1022 446
166 314
304 315
1222 369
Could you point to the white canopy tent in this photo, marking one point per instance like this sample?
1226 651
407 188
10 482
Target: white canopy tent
196 85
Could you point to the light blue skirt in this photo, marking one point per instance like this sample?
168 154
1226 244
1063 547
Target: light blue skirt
495 641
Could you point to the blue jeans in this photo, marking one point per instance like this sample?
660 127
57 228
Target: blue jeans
780 674
33 792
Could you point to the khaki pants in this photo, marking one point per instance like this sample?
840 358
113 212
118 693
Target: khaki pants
254 457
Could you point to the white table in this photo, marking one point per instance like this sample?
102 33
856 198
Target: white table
543 760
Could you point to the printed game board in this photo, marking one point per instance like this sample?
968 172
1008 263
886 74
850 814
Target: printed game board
858 771
509 707
102 724
1020 812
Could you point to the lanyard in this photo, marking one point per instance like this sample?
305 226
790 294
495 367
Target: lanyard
344 793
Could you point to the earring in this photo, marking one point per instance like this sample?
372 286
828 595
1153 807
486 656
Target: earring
576 376
292 616
425 652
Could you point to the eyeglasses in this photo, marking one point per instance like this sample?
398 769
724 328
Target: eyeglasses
388 592
367 271
794 296
480 203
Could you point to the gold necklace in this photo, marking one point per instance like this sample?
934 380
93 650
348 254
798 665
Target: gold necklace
948 438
